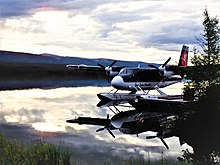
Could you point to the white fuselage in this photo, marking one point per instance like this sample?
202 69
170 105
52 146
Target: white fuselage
118 83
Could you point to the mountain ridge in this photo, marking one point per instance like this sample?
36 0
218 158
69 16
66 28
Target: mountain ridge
46 58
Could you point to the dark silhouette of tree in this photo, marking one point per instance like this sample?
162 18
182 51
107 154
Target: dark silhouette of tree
205 84
209 41
206 71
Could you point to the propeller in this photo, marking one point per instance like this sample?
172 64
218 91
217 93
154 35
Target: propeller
165 144
107 127
108 69
168 60
161 68
160 136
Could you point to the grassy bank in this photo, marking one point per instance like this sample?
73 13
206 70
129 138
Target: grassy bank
11 152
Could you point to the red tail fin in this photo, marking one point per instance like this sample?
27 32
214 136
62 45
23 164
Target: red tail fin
184 56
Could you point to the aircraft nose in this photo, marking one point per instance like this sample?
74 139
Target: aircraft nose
117 121
116 81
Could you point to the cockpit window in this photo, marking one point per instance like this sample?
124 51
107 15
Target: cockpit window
126 71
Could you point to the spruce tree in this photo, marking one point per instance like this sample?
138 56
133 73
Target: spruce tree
209 41
206 71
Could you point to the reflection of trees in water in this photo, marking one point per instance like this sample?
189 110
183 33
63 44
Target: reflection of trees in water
202 131
25 76
32 71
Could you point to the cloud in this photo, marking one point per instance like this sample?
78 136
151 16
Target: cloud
171 33
15 8
87 142
101 28
23 116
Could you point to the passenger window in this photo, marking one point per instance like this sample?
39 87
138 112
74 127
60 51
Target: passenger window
126 72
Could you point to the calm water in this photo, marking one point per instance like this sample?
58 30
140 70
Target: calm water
40 115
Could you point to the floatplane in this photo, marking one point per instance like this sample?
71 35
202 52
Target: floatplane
141 78
138 79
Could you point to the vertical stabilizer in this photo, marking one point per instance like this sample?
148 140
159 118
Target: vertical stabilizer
184 56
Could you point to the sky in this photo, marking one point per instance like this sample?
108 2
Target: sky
148 30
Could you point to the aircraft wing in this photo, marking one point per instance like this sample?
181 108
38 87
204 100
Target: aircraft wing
92 67
90 121
84 67
105 123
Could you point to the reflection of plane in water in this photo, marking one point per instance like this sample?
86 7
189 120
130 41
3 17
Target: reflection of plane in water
167 119
192 121
135 122
139 78
159 115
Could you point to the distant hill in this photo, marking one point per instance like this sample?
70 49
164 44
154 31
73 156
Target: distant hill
19 57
